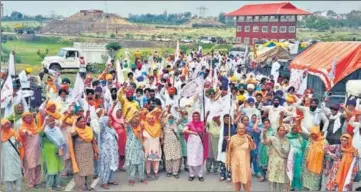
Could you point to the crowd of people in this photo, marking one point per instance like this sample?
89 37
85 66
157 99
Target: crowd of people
150 118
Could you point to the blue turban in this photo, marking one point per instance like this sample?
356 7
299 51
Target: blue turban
279 93
250 100
351 102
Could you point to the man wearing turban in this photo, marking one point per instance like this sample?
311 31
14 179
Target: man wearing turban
170 99
24 78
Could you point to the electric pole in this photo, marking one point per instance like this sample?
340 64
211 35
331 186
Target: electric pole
202 9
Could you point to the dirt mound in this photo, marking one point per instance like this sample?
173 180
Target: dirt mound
91 21
204 22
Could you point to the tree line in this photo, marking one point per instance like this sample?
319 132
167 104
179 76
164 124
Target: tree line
165 18
349 20
17 16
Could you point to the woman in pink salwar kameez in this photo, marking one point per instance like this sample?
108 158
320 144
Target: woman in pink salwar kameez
118 123
197 146
31 140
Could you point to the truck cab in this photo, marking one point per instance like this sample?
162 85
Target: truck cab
67 58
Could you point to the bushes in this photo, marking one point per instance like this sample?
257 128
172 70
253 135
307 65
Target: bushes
5 56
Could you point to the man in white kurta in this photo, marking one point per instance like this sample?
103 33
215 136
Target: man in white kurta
274 113
312 116
275 70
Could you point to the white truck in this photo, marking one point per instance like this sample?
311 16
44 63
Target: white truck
69 57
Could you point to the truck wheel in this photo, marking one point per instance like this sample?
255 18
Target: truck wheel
55 67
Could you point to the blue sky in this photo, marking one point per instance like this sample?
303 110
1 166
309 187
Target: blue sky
123 8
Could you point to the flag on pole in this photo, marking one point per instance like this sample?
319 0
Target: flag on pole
289 168
7 92
332 73
254 51
126 54
109 61
177 52
349 174
11 67
120 75
197 71
78 88
246 52
192 88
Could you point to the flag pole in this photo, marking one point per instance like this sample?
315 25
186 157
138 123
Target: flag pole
204 108
230 115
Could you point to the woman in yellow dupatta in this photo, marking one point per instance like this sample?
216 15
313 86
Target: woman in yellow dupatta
29 134
50 109
11 163
315 160
342 156
239 158
83 150
152 133
66 125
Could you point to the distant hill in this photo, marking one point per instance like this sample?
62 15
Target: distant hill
90 21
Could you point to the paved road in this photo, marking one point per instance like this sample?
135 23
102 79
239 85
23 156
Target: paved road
165 183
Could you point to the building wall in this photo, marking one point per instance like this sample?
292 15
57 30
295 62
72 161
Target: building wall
241 33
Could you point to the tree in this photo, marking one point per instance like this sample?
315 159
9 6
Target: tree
222 18
331 13
42 54
113 47
322 25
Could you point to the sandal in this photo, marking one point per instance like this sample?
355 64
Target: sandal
261 179
176 176
130 182
201 179
190 178
113 183
104 186
156 175
144 181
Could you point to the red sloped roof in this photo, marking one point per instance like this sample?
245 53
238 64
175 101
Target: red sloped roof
319 58
285 8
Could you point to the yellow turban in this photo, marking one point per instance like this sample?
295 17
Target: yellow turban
290 99
241 98
109 77
28 70
233 78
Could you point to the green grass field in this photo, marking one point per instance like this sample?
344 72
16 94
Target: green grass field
27 50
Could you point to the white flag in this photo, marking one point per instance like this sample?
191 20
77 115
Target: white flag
192 88
6 92
197 71
349 173
332 73
109 62
289 168
11 67
127 54
177 52
221 107
120 75
78 88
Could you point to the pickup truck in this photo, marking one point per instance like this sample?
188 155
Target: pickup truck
67 58
70 57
